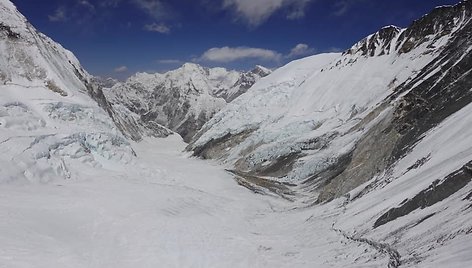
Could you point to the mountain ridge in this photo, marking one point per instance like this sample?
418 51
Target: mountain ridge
182 99
370 149
392 41
378 127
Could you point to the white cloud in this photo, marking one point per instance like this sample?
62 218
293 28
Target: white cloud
169 61
255 12
59 15
154 8
121 69
341 8
300 50
160 28
87 4
229 54
80 12
297 10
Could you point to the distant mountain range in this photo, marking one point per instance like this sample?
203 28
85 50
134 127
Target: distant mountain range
182 100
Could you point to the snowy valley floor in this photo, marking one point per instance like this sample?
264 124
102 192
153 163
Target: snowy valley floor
167 210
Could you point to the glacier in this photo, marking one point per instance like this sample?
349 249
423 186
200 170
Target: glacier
354 159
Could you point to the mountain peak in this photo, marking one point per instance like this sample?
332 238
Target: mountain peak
182 99
376 44
390 27
261 70
191 65
441 21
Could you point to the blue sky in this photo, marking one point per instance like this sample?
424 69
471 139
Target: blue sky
120 37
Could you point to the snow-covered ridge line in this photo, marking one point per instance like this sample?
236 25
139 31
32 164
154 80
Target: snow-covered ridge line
387 138
51 113
30 58
181 100
390 48
378 126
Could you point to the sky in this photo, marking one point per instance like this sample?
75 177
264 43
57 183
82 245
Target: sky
117 38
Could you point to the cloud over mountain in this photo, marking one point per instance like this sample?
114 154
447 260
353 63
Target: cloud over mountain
256 12
229 54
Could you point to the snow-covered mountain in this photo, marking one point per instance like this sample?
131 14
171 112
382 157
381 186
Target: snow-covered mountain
312 113
104 82
51 115
385 124
245 80
183 99
31 59
371 151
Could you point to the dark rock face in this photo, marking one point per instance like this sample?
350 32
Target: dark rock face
260 185
216 147
370 156
326 179
9 32
377 44
440 95
435 193
438 23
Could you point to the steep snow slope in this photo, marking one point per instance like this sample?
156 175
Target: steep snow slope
183 99
76 193
48 118
28 55
298 129
422 205
384 127
308 116
30 59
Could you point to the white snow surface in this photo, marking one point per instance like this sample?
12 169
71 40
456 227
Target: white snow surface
443 240
313 97
182 99
191 80
75 193
165 210
34 59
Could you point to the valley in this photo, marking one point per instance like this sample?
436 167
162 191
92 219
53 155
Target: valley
360 158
